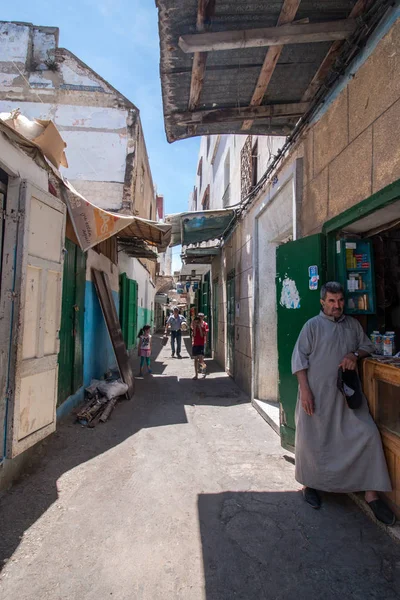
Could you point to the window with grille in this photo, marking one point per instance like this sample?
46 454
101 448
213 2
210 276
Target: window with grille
246 164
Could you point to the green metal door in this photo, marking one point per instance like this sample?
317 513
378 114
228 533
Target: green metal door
230 323
205 308
214 319
297 302
70 358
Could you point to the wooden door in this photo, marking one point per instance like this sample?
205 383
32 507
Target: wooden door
34 358
70 374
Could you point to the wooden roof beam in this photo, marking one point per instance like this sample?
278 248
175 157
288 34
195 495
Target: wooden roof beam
334 51
297 33
222 115
205 10
287 15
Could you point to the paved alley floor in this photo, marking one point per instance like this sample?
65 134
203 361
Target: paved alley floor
184 494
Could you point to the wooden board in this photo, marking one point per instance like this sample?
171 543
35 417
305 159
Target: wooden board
104 294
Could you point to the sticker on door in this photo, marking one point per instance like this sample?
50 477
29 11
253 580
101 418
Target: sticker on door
290 297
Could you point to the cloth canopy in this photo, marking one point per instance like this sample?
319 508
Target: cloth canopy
196 227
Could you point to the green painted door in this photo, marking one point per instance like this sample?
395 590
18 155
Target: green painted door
230 324
70 358
214 319
205 308
296 303
128 310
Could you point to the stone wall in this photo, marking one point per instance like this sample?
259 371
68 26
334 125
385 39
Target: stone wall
353 150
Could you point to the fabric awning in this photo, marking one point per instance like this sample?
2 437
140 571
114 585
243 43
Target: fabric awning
200 256
202 226
93 225
158 234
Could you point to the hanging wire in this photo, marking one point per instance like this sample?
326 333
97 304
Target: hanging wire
367 23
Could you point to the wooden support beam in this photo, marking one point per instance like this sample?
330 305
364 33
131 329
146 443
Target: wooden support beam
230 115
334 51
297 33
199 60
287 15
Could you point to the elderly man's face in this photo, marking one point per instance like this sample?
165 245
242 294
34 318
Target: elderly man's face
333 305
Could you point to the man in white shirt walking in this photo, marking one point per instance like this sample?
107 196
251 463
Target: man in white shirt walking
174 323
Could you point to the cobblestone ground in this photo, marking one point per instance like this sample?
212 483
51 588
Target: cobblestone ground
184 494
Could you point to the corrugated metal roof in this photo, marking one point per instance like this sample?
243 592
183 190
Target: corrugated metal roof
231 75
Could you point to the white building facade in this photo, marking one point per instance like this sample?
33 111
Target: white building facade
242 276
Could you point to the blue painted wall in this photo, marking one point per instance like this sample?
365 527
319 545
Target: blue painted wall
98 353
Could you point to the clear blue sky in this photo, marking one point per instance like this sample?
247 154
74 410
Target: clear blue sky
119 40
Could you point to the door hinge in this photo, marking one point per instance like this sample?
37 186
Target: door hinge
12 295
15 216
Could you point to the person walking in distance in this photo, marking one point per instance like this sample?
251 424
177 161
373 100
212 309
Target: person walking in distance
199 335
338 446
202 364
144 348
174 323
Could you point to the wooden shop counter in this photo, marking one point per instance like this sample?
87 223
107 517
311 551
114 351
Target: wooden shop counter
381 383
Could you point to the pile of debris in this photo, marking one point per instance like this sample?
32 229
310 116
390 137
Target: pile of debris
102 397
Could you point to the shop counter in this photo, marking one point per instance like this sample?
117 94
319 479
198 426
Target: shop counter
381 383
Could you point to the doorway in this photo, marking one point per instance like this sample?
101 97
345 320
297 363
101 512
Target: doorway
70 358
215 301
230 323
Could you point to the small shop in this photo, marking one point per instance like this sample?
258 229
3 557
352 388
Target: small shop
360 248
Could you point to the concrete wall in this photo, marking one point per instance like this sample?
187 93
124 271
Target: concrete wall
225 149
146 288
273 225
106 151
349 152
98 353
353 150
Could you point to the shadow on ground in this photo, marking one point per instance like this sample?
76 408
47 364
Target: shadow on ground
272 545
158 401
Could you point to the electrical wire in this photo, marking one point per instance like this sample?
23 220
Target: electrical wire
367 23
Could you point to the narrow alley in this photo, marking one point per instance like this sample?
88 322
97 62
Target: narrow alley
187 494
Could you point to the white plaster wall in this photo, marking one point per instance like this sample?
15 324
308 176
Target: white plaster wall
273 224
101 193
102 263
44 44
135 270
17 163
213 172
93 155
14 41
73 74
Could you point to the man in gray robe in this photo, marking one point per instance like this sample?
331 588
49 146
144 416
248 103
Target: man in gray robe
337 449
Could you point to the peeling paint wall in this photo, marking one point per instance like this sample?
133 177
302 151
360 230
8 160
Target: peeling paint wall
106 152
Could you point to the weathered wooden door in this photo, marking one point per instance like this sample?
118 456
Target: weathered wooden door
37 309
70 373
230 324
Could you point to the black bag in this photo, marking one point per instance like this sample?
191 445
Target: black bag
349 384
